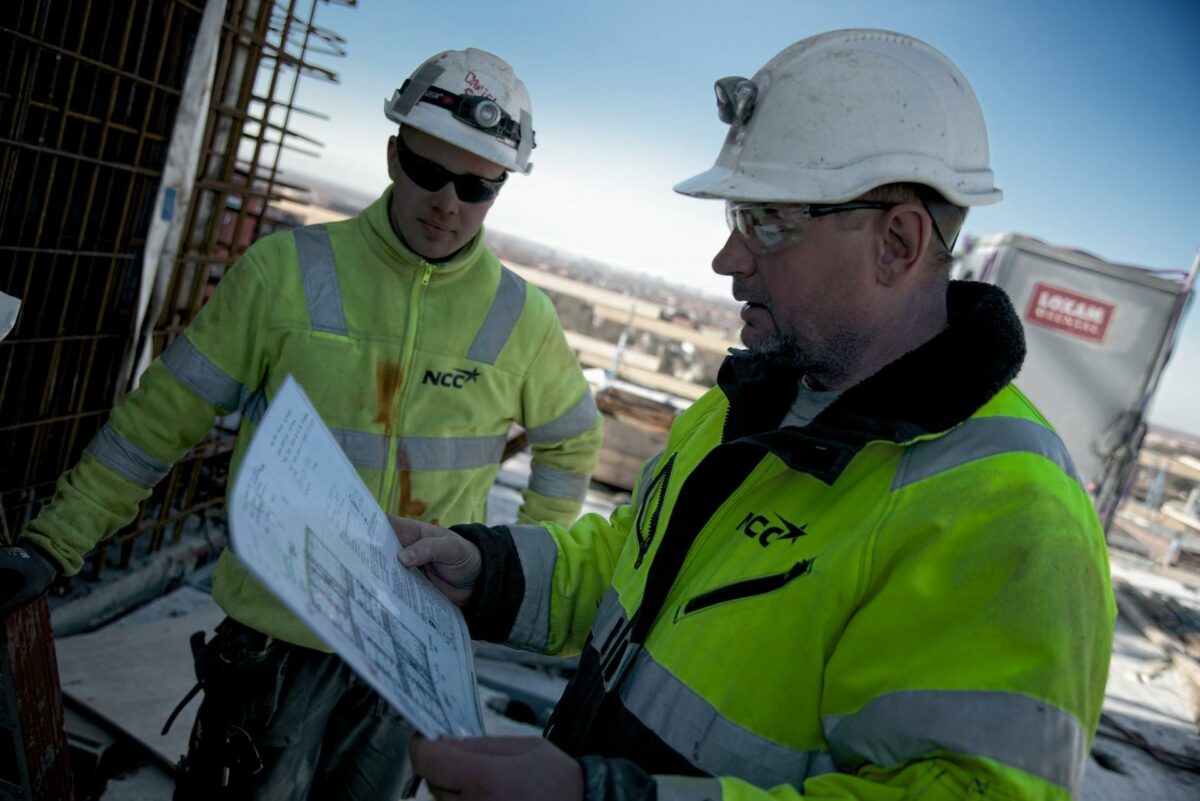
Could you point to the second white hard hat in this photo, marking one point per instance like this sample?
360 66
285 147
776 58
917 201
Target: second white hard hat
838 114
471 99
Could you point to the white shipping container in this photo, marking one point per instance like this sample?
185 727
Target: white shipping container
1097 335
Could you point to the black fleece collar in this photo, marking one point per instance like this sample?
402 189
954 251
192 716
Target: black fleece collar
928 390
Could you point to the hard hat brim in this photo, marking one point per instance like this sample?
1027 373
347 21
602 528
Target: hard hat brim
810 186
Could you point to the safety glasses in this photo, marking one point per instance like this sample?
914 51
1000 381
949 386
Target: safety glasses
431 176
767 227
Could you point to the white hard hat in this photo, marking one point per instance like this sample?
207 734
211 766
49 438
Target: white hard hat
838 114
471 99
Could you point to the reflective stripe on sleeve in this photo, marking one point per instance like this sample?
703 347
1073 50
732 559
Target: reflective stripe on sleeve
318 271
555 482
501 318
199 374
452 453
692 726
538 552
979 438
117 452
1012 729
687 788
578 419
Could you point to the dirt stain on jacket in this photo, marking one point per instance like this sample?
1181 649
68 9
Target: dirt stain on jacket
409 506
388 381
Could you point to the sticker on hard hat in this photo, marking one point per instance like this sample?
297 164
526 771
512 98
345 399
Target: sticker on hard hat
476 87
1065 311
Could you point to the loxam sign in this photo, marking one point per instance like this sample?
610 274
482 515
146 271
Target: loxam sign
1065 311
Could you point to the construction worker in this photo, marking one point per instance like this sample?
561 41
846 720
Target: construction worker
419 350
863 567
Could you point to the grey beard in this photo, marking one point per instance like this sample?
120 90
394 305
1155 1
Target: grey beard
828 367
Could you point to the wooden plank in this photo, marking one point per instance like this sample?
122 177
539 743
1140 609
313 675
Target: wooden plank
1182 466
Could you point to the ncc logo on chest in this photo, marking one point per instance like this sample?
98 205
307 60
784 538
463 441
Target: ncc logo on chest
454 379
766 531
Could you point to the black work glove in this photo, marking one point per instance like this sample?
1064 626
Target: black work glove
25 573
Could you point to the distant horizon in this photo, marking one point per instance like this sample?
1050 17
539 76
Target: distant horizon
1090 125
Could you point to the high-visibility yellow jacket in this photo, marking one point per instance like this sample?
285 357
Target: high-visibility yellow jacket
907 598
418 368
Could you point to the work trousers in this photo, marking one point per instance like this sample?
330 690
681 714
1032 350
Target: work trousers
279 721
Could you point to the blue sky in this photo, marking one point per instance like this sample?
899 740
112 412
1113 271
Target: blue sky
1093 112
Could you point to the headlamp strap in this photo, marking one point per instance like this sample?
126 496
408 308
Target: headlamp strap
521 134
415 88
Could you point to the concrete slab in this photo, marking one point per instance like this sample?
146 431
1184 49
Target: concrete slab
1145 695
134 672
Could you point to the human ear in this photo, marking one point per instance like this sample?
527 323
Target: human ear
903 244
393 162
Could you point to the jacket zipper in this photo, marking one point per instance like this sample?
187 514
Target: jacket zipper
657 486
410 341
741 590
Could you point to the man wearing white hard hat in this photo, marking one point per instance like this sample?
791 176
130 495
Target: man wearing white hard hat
863 567
419 350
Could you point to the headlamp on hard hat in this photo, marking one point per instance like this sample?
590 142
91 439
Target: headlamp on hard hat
479 112
735 99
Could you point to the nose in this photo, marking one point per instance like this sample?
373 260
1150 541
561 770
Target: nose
445 200
733 258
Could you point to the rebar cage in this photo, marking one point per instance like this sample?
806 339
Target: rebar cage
88 101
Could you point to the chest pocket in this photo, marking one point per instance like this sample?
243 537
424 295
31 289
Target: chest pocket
743 590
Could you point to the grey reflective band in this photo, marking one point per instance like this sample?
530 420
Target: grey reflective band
687 788
610 616
198 373
318 271
538 552
1013 729
526 145
363 449
555 482
696 729
979 438
579 418
501 318
416 88
113 450
256 407
452 453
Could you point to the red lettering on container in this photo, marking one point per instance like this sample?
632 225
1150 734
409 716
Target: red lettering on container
1062 310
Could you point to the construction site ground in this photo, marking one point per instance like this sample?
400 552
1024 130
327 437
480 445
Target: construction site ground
122 680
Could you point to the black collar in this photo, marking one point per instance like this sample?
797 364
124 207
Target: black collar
928 390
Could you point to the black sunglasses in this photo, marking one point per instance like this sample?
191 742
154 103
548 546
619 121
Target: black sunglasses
431 176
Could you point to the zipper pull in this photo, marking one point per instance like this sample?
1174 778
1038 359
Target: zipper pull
425 276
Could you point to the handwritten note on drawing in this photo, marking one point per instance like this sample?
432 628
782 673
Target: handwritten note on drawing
305 524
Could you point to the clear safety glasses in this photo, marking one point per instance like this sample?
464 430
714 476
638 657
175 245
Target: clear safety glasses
770 227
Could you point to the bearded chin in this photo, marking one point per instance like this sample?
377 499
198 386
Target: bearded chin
779 351
783 352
